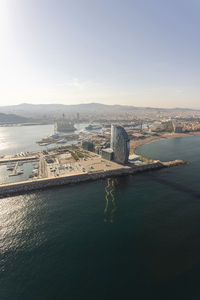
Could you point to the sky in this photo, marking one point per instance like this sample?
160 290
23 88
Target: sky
131 52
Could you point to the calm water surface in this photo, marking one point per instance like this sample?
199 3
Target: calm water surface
135 237
14 140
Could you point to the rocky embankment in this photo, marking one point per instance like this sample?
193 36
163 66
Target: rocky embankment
44 183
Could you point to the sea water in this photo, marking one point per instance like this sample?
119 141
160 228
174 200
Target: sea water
136 237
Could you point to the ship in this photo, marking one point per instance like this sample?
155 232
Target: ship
93 127
10 167
63 141
64 126
16 173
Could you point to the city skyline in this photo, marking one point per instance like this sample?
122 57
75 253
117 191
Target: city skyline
138 53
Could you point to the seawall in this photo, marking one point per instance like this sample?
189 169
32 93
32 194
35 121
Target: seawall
10 189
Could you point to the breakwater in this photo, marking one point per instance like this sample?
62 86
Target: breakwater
10 189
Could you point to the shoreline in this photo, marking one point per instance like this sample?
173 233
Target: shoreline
134 145
20 187
23 124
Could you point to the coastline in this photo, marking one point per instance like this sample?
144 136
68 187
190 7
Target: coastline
118 170
135 144
23 187
23 124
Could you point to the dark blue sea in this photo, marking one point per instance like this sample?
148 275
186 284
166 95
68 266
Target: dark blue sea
135 237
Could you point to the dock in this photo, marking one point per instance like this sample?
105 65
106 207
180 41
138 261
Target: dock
18 159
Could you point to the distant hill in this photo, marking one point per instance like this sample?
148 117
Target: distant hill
56 110
12 119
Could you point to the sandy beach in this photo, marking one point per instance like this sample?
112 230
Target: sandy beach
135 144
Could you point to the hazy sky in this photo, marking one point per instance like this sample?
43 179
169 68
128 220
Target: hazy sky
135 52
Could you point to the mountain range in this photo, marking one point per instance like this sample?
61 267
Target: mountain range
55 110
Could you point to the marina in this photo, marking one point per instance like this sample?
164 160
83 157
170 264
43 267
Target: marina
18 171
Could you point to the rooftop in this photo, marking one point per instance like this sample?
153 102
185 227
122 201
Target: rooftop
109 150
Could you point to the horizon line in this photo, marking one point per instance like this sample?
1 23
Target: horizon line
124 105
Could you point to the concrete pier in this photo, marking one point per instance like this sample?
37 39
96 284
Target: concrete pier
10 189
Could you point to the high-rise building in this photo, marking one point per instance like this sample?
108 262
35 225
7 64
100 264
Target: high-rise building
120 144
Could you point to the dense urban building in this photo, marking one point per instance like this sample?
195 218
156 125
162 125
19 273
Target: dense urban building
177 128
87 145
119 144
107 153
